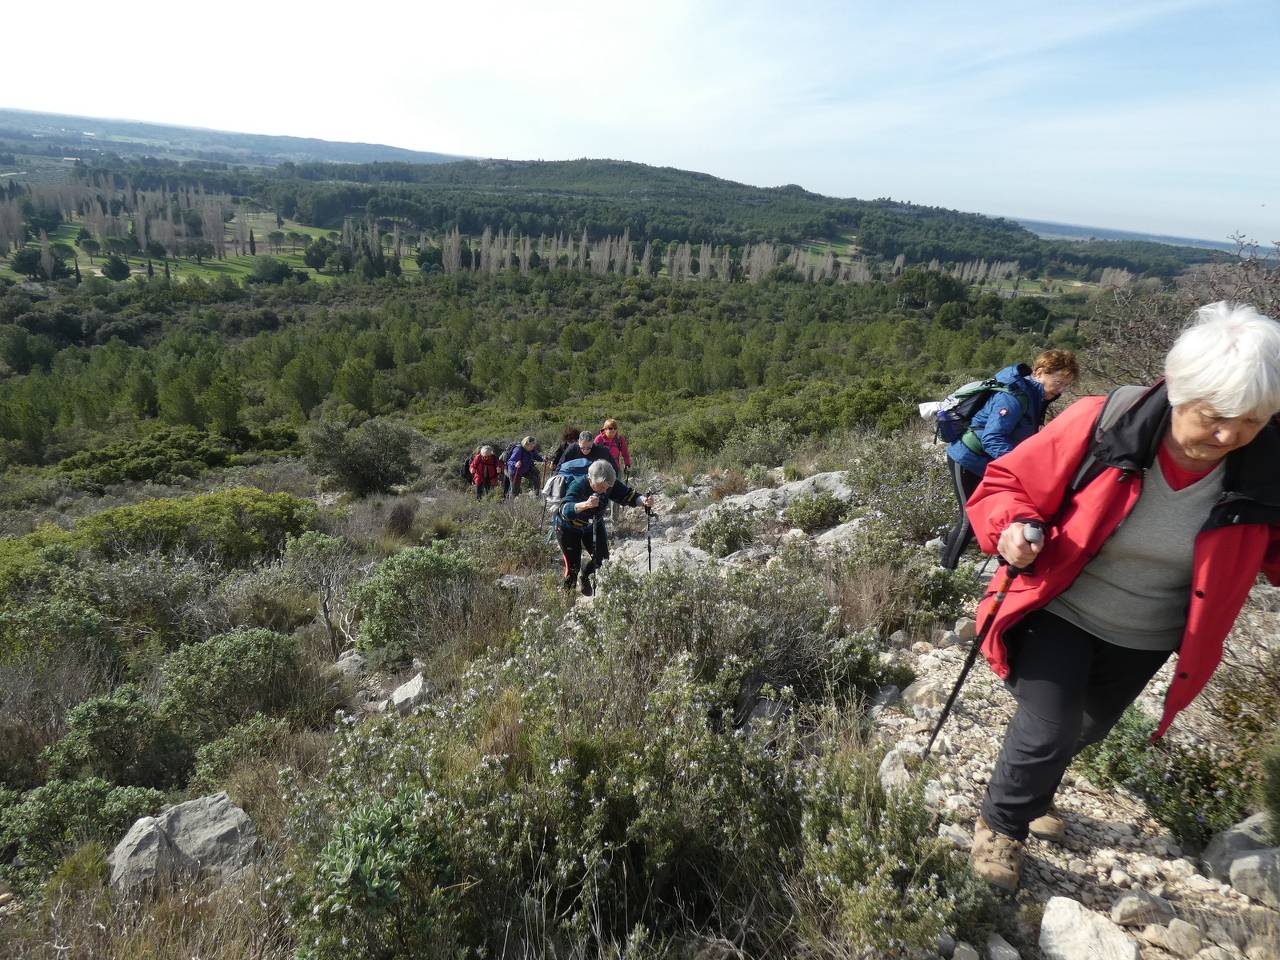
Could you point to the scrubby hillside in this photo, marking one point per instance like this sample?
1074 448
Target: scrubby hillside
439 752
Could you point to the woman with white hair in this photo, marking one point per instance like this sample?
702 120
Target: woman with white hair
1159 507
585 500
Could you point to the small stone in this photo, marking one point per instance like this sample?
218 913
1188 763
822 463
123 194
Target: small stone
931 694
6 899
410 694
1077 866
1182 939
1138 908
1245 837
1145 869
1178 869
966 628
946 944
897 639
964 951
945 638
1257 875
893 770
1068 931
956 836
998 948
1200 884
934 794
1120 879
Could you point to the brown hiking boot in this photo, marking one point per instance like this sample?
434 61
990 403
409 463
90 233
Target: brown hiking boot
996 858
1050 827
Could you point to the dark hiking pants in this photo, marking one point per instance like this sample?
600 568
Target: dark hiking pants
954 545
1071 688
572 542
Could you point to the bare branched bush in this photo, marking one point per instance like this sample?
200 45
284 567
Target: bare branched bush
1131 330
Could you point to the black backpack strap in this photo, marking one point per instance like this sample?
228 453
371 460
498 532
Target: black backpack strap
1119 402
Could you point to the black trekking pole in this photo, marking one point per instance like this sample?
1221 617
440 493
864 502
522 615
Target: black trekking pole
648 534
1033 534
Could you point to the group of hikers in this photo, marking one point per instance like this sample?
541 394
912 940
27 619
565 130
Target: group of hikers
582 478
1133 526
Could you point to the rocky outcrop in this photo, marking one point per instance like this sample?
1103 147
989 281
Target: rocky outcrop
208 836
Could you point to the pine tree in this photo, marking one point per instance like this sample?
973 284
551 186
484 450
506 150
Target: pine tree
253 245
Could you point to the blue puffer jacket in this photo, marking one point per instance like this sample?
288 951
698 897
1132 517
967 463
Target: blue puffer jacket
1003 422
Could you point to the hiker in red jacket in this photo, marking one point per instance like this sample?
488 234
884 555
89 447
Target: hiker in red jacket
1191 466
486 471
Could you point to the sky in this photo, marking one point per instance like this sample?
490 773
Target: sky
1159 116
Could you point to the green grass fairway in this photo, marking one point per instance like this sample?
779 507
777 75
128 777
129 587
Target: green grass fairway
236 267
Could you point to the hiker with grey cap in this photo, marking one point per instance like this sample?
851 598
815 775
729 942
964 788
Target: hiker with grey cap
1160 505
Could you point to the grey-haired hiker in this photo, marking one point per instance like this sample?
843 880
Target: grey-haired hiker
1160 506
585 501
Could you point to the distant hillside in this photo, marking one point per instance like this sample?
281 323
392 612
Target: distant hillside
88 137
1066 231
319 183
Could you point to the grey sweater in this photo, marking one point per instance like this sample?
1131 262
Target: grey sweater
1134 592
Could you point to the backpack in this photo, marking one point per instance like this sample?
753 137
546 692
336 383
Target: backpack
952 416
505 462
465 473
558 483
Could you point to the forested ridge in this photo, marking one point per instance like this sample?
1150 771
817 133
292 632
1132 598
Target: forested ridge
655 203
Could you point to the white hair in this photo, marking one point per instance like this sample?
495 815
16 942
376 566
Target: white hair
1228 358
602 472
486 451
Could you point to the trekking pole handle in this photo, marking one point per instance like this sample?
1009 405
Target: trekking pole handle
1033 533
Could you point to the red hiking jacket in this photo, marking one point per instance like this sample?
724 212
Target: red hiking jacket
485 470
1240 539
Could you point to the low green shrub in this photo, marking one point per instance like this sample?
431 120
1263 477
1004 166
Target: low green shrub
815 513
83 875
1269 788
1188 789
766 443
508 540
158 457
598 775
415 600
208 687
882 583
758 475
875 878
725 530
370 458
384 885
52 627
122 739
46 823
903 481
253 738
238 526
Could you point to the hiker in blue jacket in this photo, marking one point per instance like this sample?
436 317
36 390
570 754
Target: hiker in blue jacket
522 464
1010 416
585 500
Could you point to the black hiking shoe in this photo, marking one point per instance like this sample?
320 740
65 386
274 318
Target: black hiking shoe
587 590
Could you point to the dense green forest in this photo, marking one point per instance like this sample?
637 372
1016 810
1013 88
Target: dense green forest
252 363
